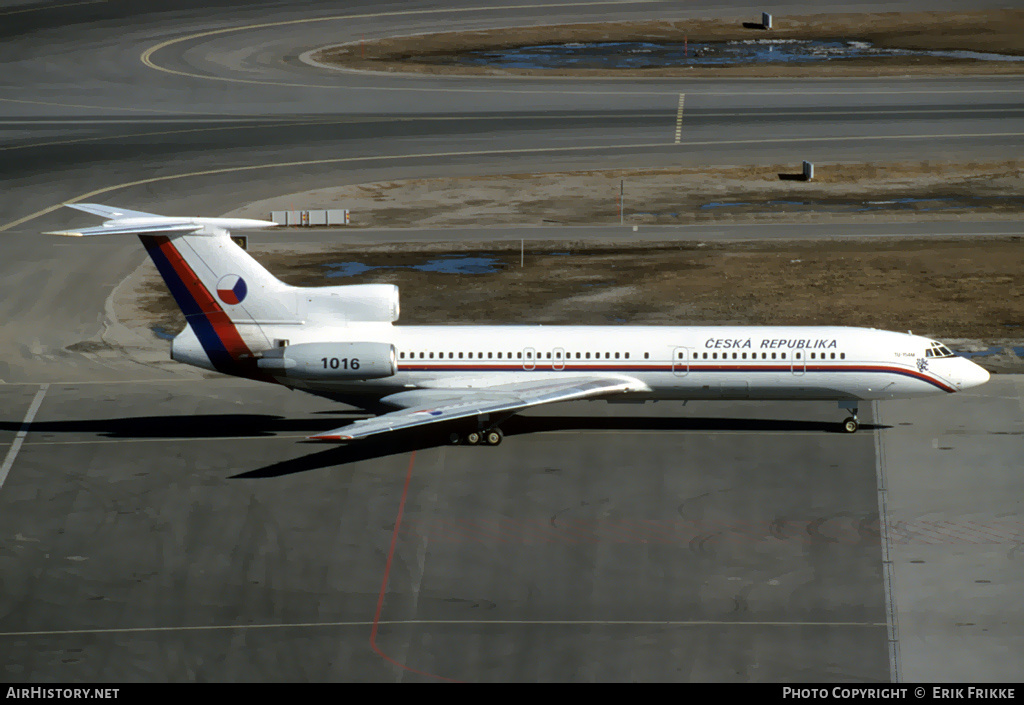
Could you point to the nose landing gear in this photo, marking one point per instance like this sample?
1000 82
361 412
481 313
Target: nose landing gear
850 423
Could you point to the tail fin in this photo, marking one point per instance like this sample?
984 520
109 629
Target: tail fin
225 294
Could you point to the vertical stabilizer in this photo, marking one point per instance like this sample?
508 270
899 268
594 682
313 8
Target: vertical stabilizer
226 296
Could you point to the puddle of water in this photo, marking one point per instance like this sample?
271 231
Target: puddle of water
638 55
994 350
458 264
723 204
348 269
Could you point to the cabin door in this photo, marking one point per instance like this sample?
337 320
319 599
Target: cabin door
528 360
558 359
680 361
799 363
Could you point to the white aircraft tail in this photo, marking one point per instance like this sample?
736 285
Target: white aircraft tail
226 295
234 307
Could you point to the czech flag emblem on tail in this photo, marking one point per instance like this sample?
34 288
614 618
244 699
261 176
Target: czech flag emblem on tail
231 289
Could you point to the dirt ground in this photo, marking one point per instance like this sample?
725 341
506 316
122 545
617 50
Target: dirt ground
995 31
914 190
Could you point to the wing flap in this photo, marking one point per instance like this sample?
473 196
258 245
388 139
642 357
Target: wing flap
429 406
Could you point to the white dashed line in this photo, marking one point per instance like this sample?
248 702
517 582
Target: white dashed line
12 452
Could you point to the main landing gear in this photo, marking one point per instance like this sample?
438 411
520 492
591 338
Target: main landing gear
487 437
850 424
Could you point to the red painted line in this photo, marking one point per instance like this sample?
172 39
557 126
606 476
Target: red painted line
384 583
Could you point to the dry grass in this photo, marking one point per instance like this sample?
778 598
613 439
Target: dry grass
947 288
675 196
997 31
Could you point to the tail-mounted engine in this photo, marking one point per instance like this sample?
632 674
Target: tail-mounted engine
330 361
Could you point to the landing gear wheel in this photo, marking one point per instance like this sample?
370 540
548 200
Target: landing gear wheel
493 437
850 425
455 439
473 438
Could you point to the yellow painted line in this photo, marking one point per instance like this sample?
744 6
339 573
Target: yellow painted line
99 107
452 622
131 135
322 121
494 152
146 56
307 162
51 7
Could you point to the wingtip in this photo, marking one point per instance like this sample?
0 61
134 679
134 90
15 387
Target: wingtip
64 233
332 438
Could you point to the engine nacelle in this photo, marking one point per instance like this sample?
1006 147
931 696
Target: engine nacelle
330 361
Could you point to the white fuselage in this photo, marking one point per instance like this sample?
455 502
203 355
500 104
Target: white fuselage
685 362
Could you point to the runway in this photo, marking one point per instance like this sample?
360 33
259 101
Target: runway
156 525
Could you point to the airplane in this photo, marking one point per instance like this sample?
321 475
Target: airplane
341 342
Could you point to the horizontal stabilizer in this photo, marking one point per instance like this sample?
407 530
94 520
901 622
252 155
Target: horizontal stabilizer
122 221
110 212
168 226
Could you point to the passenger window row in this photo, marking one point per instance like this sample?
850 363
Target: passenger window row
764 356
530 355
558 355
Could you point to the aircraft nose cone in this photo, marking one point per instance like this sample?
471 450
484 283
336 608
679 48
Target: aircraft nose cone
973 375
981 376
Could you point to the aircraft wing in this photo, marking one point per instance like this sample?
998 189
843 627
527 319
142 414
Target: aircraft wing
426 406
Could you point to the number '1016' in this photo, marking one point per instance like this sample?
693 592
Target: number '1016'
334 363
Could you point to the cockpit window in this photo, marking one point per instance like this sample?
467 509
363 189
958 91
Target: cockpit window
938 350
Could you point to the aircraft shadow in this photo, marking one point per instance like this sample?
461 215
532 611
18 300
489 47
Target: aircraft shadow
233 426
407 441
201 426
535 424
